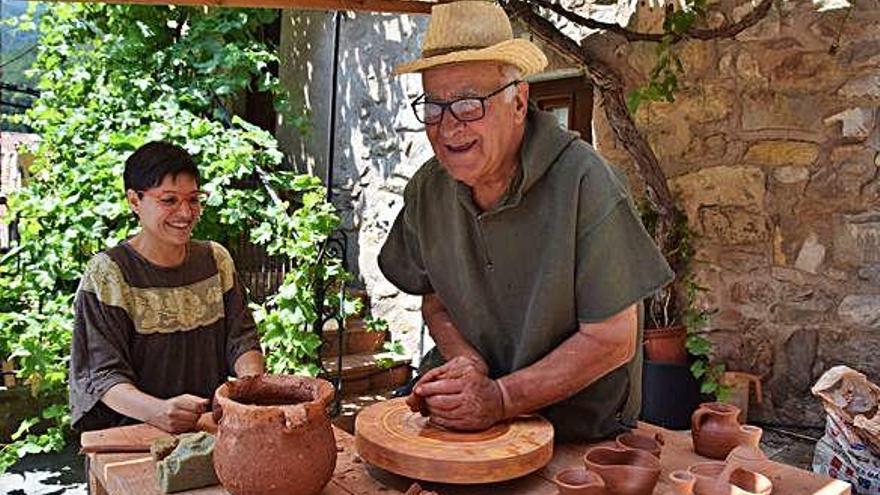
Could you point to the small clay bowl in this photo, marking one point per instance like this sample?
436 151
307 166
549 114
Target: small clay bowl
579 481
682 482
632 440
625 471
742 481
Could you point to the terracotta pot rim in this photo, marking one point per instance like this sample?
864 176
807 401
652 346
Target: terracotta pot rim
762 481
320 391
646 461
713 465
635 441
720 407
593 479
682 475
665 331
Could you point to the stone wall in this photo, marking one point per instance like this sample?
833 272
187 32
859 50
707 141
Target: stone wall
378 142
772 150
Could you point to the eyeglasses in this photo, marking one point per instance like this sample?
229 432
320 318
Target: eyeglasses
171 201
466 109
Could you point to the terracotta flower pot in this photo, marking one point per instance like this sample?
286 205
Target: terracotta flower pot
274 436
666 345
715 429
625 472
579 481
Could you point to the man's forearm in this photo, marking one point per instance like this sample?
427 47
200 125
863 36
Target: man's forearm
591 353
446 335
250 363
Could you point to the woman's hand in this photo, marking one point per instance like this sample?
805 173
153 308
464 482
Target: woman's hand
179 414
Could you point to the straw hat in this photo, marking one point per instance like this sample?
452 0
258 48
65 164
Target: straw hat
473 31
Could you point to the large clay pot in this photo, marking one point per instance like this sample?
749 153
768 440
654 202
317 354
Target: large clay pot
715 429
274 436
624 471
719 478
632 440
579 481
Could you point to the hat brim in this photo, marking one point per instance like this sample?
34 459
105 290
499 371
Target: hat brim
518 52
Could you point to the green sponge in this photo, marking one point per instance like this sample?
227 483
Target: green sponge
190 465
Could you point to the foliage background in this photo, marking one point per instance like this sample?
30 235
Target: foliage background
112 78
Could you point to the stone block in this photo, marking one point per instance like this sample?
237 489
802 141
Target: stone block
772 109
791 174
697 57
870 273
777 153
862 53
811 72
857 239
862 87
748 71
733 225
799 355
800 308
720 187
737 261
861 310
856 122
811 255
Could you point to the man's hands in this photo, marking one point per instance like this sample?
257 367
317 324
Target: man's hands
179 414
459 395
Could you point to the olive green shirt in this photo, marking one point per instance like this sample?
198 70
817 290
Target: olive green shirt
563 246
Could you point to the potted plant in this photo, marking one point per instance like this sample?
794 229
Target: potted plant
678 372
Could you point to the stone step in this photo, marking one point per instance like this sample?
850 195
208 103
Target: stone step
351 406
356 339
369 372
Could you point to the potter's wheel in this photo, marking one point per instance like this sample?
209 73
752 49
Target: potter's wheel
388 435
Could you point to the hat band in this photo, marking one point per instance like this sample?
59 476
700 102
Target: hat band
443 51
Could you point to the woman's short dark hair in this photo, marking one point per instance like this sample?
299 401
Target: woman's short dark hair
150 163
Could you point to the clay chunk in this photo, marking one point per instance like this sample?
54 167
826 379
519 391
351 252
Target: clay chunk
190 465
161 447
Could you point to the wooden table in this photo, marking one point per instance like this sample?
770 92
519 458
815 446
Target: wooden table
135 474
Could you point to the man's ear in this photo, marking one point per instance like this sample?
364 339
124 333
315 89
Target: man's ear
521 101
134 201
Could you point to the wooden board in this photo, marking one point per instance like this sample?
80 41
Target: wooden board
135 473
390 436
133 438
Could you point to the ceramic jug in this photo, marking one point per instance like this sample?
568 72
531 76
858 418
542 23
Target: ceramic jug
715 429
274 436
624 471
579 481
748 453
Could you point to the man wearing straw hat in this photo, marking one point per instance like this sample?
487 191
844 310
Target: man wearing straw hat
524 244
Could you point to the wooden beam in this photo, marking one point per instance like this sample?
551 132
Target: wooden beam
381 6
